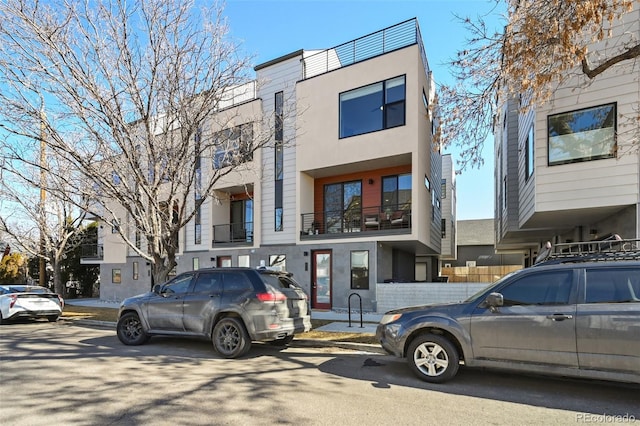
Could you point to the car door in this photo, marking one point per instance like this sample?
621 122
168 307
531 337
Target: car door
608 320
535 325
202 302
164 310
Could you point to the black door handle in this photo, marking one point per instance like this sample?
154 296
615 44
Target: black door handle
559 317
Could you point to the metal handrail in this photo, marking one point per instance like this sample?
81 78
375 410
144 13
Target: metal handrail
356 219
233 233
378 43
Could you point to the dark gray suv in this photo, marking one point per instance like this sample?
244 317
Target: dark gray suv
575 314
230 306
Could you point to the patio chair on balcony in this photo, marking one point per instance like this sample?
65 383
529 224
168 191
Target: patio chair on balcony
371 222
398 218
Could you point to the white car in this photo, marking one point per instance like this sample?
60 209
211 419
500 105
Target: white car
29 301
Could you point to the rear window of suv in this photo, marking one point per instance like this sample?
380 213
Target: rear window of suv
279 281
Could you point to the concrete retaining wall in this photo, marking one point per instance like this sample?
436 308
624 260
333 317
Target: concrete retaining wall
399 295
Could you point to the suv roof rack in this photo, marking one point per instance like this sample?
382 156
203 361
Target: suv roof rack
608 249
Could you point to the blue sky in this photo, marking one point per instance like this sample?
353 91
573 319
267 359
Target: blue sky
268 29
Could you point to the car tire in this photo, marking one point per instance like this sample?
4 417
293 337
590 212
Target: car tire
433 358
230 338
52 318
130 330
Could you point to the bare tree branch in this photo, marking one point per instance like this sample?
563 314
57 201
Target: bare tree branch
135 92
540 47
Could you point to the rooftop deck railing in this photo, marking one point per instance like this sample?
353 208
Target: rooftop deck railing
375 44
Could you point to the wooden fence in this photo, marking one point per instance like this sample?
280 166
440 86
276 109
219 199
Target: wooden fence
479 274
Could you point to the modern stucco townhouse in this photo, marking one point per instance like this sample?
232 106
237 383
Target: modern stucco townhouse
351 194
569 170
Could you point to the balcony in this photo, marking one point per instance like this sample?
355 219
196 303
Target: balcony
377 220
235 234
91 252
375 44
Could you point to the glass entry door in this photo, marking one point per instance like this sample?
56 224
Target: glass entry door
321 280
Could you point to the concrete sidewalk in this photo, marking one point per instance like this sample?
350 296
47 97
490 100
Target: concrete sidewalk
339 318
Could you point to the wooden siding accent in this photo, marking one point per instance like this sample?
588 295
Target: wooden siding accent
371 193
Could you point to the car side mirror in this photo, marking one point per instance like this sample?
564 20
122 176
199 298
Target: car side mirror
156 288
493 301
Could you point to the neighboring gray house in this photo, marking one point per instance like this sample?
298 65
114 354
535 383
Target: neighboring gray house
569 169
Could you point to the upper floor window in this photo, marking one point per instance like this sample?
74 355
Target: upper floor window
233 146
374 107
582 135
396 192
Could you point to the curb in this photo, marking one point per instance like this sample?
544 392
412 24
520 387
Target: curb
303 343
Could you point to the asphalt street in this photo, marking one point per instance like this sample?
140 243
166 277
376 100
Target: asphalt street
67 374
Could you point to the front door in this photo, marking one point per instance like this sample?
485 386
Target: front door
321 280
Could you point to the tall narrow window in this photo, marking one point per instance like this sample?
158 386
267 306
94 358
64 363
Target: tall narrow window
530 153
197 227
279 162
136 270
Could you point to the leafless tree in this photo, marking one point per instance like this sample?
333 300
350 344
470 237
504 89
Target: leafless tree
541 46
46 228
136 93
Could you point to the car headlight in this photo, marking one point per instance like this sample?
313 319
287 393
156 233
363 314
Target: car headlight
387 318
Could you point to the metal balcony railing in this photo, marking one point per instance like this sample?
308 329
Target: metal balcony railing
376 218
375 44
92 251
233 233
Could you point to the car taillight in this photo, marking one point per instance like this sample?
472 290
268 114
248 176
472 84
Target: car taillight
271 297
14 299
61 300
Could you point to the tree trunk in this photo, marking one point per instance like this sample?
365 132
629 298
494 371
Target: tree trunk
58 285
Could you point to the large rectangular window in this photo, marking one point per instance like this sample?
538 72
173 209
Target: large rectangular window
360 270
374 107
582 135
233 146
